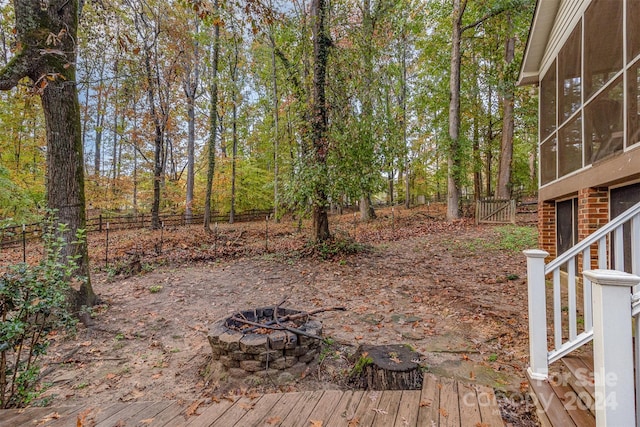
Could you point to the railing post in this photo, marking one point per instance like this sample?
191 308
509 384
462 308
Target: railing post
538 360
613 347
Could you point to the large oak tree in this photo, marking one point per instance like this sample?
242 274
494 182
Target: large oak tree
46 35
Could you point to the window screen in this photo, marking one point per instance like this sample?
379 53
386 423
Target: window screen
602 44
603 123
633 106
569 76
570 147
548 151
548 103
633 29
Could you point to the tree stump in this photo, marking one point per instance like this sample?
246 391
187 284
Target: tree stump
386 367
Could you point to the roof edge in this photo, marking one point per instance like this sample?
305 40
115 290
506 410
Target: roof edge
541 26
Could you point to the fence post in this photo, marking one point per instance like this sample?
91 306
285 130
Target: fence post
613 347
538 361
512 202
106 246
266 233
24 244
100 223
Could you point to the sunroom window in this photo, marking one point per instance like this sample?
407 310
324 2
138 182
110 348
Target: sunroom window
603 123
584 88
570 147
633 29
602 44
548 103
548 151
569 76
633 105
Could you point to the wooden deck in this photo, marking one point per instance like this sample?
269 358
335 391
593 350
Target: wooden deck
441 402
567 398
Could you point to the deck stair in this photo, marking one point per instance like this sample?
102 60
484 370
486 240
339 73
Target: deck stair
566 399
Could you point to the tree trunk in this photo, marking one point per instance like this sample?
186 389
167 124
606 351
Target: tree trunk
97 155
453 155
116 133
321 43
274 77
366 133
477 161
367 213
54 74
191 82
488 161
503 190
405 140
213 116
234 128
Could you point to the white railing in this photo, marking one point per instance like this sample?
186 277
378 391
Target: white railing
573 330
613 364
602 315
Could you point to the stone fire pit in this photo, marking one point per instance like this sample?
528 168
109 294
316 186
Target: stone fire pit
245 349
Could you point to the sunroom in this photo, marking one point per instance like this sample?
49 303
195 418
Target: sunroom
584 55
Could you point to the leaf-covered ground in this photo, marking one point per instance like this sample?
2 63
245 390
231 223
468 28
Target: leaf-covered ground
455 291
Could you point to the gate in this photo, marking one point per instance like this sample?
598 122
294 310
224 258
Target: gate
495 211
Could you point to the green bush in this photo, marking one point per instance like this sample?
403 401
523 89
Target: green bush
32 304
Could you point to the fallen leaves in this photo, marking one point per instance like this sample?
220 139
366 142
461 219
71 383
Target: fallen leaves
81 420
247 406
315 423
424 403
49 417
274 420
193 408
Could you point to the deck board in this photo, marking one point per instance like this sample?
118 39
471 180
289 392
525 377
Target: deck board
489 409
428 412
326 405
408 408
449 405
469 405
300 412
16 417
346 409
365 412
211 414
441 403
387 409
126 413
260 407
281 409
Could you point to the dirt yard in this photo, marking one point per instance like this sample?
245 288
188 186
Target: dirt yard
455 292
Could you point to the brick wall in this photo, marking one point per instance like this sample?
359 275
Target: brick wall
547 227
593 213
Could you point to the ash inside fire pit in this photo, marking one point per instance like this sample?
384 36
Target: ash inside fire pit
255 341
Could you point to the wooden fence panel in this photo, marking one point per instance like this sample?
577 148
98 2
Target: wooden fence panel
12 235
495 211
